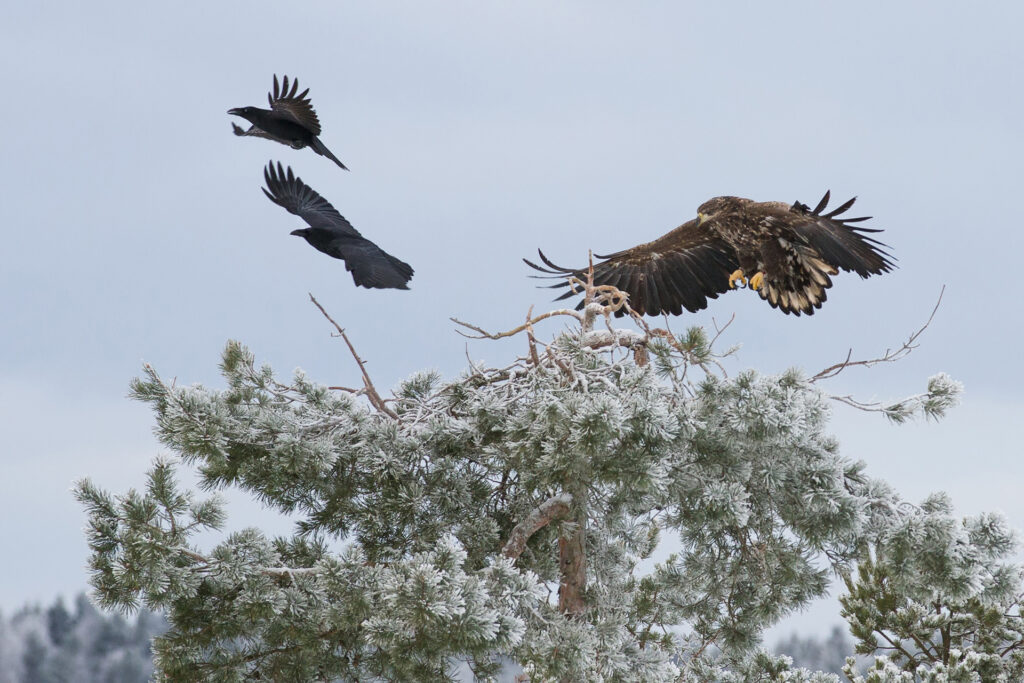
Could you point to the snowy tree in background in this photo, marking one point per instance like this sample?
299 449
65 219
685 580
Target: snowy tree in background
940 598
500 516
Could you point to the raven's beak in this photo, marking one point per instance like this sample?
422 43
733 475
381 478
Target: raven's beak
236 111
297 233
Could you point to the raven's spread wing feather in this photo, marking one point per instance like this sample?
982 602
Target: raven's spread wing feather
330 233
839 243
682 269
370 265
288 191
252 131
297 107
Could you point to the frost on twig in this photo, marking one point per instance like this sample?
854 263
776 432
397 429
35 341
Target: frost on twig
943 392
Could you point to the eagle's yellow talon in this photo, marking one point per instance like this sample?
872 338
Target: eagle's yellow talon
757 280
737 275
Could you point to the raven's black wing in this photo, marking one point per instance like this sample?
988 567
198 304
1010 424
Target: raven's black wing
252 131
332 234
286 189
296 107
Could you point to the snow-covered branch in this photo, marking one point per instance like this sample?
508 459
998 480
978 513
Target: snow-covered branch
553 508
943 393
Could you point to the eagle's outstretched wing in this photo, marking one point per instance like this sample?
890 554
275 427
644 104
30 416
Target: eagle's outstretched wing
799 248
788 253
837 241
682 269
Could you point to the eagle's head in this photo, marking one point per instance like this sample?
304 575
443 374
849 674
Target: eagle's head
722 205
719 206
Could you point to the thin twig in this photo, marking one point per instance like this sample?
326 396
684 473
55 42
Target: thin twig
371 391
469 361
876 406
889 356
720 330
873 407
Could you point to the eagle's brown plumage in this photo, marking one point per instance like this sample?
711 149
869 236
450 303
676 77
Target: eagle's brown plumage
792 249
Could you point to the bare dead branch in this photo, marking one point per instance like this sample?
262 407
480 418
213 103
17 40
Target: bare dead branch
531 340
553 508
598 299
371 391
348 389
469 361
890 355
604 300
720 330
484 334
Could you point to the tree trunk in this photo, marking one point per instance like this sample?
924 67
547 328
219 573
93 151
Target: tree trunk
572 562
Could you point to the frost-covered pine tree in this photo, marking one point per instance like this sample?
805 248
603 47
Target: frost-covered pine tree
939 599
501 516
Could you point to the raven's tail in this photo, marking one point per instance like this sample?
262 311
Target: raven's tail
321 149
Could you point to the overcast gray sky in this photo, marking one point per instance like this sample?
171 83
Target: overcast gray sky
135 230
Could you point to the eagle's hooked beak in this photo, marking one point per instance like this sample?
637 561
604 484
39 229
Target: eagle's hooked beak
701 217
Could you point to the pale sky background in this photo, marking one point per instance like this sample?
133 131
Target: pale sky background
135 230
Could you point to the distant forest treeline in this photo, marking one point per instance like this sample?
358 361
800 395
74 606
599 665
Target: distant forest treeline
58 644
825 654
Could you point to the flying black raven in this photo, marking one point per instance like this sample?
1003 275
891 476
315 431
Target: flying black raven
330 233
290 120
787 251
